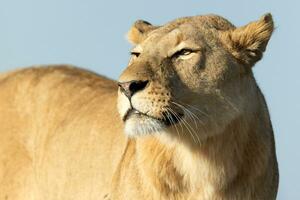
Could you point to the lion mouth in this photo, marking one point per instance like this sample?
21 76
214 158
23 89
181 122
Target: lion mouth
168 118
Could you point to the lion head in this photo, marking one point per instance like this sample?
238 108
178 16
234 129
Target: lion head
191 77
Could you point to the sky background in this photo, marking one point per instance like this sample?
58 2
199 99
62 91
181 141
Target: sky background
91 34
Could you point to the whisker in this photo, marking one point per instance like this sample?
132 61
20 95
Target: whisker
195 108
172 121
190 130
189 112
177 118
192 116
188 127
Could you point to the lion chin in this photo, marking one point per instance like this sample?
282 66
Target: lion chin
142 125
137 123
185 120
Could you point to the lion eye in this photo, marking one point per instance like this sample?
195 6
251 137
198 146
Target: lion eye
135 54
182 52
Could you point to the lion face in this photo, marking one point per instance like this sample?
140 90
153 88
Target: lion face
192 75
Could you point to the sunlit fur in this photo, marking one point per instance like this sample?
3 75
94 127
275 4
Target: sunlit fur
225 121
63 134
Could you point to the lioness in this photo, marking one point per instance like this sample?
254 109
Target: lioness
193 123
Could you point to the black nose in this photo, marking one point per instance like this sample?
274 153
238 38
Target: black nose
131 87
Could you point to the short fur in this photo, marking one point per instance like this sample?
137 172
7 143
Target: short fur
62 136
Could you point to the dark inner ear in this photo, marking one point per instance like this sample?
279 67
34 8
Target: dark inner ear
143 26
139 31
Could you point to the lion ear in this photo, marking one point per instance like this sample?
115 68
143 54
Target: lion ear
247 43
138 32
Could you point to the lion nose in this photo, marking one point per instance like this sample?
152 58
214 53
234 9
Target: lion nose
131 87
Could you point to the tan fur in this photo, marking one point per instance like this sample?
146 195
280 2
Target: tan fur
138 32
62 136
249 42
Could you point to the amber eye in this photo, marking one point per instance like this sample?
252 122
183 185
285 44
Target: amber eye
182 52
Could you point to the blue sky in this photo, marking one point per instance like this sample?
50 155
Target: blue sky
91 34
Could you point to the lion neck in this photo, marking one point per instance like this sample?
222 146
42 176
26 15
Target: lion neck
179 169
